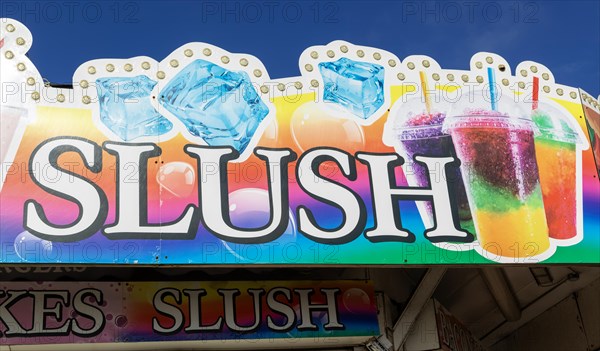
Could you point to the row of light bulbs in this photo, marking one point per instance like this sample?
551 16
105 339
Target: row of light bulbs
309 67
436 76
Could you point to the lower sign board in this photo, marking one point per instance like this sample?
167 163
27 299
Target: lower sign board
301 312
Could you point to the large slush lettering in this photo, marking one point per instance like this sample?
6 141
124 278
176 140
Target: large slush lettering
68 185
332 193
132 198
386 196
213 193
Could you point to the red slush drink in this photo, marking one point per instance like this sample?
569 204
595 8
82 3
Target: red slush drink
556 159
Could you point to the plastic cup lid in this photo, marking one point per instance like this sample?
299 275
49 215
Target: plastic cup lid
412 121
555 124
474 110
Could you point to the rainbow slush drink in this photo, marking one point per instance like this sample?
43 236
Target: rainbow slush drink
501 177
555 149
418 132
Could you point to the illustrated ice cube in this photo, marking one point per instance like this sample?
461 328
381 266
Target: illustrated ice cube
358 86
220 106
125 107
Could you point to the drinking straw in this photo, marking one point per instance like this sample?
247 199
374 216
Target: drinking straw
492 81
536 93
425 94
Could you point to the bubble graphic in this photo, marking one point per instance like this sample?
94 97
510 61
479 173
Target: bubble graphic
270 135
249 208
356 300
31 248
311 127
177 178
121 321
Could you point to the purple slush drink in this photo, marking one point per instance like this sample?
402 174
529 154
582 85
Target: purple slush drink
421 134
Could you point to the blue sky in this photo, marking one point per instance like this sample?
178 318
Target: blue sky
563 35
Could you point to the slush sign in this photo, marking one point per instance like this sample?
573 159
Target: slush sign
55 313
213 212
364 159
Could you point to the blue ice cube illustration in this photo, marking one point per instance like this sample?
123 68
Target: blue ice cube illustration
357 86
125 107
219 106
